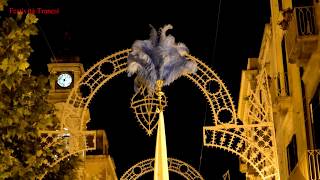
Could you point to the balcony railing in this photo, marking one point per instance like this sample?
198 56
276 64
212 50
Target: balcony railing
314 164
299 23
306 21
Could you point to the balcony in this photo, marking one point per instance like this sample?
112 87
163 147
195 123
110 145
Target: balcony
314 164
283 100
301 33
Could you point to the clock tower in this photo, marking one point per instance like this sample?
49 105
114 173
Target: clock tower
64 72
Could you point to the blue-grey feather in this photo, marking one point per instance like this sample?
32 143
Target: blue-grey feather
158 58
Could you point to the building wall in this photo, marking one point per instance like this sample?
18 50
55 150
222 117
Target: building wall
99 167
98 164
290 60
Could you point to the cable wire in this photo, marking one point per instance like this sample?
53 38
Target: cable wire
43 34
216 35
213 58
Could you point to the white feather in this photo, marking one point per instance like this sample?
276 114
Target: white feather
133 67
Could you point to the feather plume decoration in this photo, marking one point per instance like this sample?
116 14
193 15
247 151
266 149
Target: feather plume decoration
158 58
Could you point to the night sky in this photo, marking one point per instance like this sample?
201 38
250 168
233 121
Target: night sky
99 28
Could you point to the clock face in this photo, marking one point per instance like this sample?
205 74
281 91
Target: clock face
64 80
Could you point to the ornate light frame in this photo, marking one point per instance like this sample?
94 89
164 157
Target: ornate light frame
174 165
254 143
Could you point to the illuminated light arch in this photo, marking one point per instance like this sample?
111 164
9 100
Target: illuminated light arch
254 143
174 165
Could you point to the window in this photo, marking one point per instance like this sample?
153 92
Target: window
285 68
300 3
292 154
306 112
101 144
303 93
315 117
280 5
